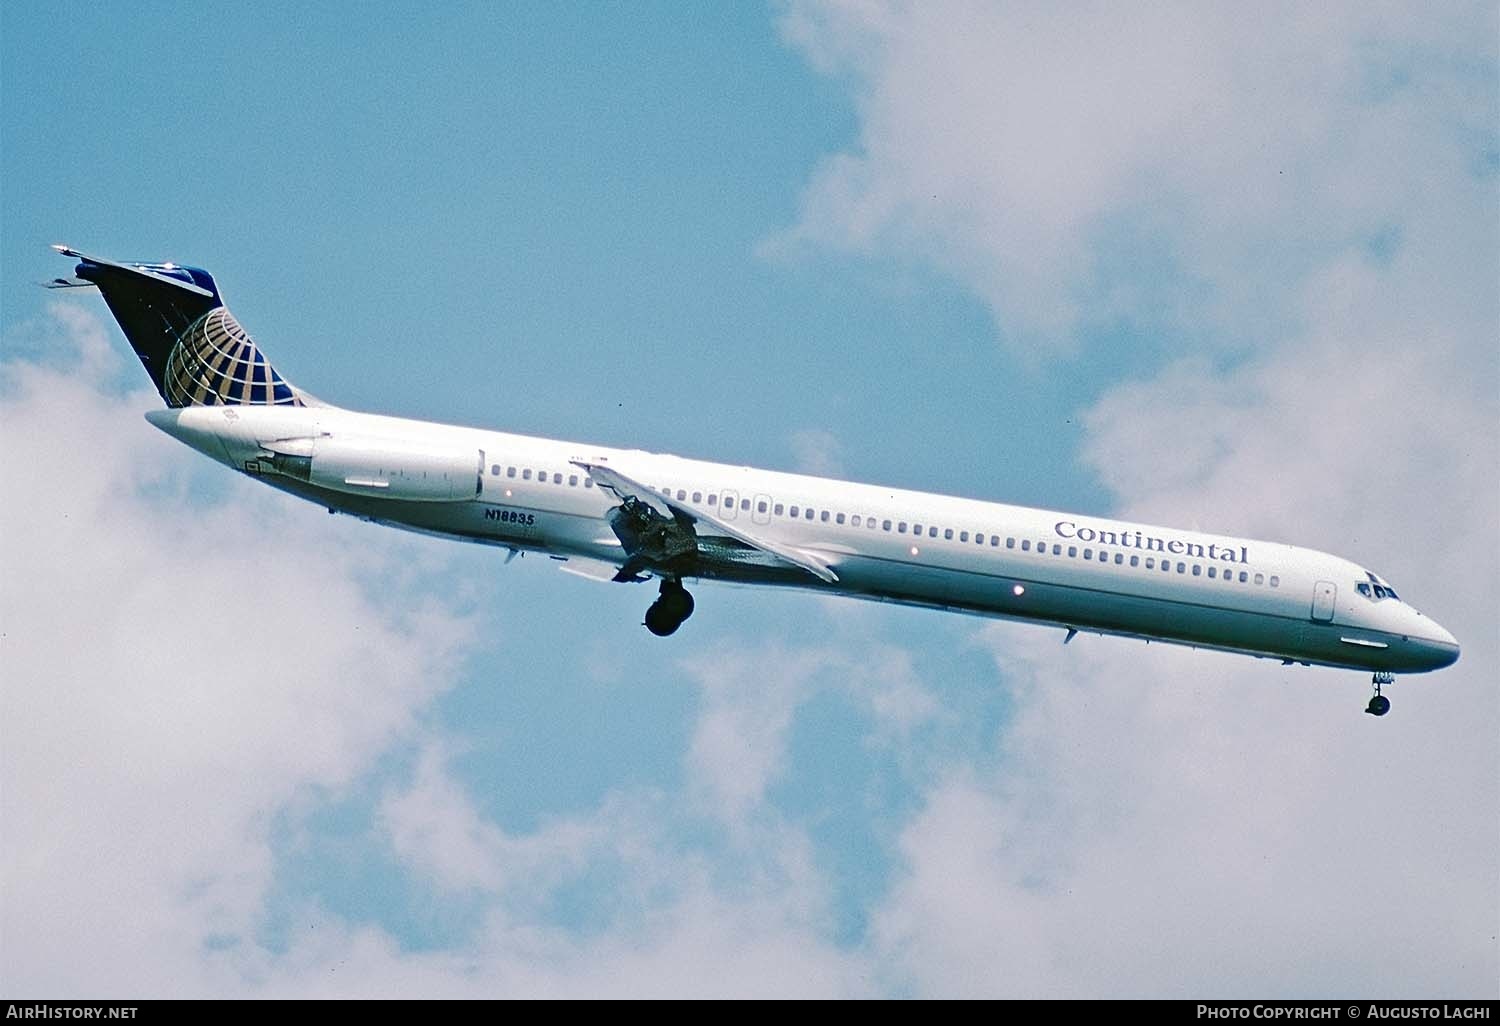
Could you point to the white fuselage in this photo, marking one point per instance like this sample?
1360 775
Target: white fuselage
1069 570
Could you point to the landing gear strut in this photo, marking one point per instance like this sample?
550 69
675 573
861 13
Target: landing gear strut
1379 704
671 608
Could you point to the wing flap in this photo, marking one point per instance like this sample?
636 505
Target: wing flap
688 514
593 569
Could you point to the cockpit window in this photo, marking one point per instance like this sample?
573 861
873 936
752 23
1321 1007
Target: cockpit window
1375 592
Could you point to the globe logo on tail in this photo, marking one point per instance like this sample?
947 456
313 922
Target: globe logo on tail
215 362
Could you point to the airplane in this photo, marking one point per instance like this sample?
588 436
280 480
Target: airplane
626 515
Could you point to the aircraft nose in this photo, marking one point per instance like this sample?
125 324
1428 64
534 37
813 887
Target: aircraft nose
1439 648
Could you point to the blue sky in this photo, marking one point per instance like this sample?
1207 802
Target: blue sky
1187 265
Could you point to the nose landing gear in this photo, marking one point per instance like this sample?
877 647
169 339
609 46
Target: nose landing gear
671 608
1379 704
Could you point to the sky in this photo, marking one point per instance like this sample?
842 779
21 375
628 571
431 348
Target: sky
1220 267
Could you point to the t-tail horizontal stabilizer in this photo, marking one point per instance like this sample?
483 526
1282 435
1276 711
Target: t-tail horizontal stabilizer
192 347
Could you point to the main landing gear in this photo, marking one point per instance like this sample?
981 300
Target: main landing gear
671 608
1379 704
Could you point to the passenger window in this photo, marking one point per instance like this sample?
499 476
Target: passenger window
796 510
1088 553
1150 563
1057 550
510 471
1072 551
1135 560
839 518
572 480
1211 573
948 534
1181 567
807 514
588 482
713 500
855 521
526 475
697 496
681 494
1197 570
1025 544
885 525
1260 578
994 541
495 470
916 528
557 479
1244 577
779 509
901 527
760 506
1119 559
932 532
1275 581
745 504
823 516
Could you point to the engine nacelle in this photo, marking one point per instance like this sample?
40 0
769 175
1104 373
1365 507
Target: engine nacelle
382 467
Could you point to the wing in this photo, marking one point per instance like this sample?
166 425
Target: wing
688 516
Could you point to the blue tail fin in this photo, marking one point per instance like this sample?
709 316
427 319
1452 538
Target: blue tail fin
195 351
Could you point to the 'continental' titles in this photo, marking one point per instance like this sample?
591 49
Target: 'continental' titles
1150 543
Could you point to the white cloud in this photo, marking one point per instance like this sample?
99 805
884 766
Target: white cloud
177 673
819 452
700 946
437 832
711 891
1004 144
751 697
182 674
739 740
1177 823
1322 181
673 920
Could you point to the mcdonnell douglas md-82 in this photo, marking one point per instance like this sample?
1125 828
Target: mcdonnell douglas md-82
632 516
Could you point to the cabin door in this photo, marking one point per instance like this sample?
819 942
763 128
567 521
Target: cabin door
1324 594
